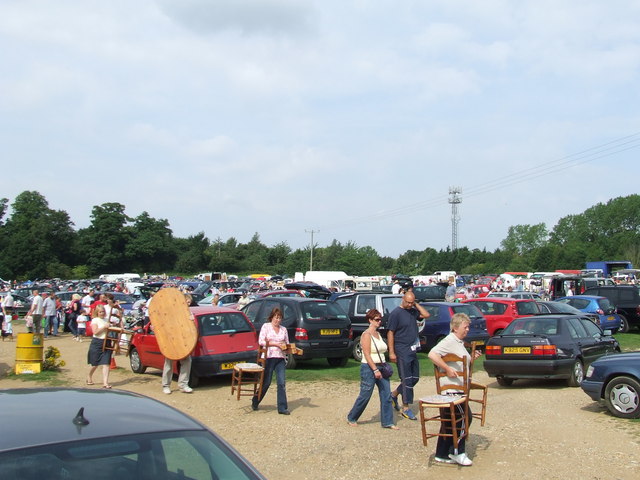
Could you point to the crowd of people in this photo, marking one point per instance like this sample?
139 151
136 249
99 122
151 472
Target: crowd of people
400 350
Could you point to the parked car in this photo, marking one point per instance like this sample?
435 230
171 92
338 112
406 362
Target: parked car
547 307
116 434
21 304
277 293
626 299
320 328
429 293
549 347
438 325
225 337
500 311
607 318
616 380
515 294
357 304
226 300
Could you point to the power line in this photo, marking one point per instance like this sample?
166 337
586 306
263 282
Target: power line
598 152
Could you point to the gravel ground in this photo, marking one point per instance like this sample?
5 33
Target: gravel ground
534 429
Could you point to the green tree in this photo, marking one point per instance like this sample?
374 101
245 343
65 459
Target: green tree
192 253
522 239
35 236
103 244
150 247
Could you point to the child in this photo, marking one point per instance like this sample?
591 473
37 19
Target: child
82 326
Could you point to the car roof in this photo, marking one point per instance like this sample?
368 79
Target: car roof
290 299
51 413
205 309
499 300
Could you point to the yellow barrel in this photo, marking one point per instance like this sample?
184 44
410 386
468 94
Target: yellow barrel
29 348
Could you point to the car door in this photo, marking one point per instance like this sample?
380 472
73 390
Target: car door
602 343
588 346
147 345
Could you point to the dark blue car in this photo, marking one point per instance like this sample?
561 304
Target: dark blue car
608 319
616 380
438 325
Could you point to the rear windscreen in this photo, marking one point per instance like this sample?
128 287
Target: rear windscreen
223 323
322 311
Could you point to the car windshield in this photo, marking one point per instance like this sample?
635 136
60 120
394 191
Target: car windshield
166 455
221 323
322 311
532 326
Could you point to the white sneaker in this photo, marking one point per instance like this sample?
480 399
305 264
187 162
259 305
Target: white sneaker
461 459
186 389
166 390
443 460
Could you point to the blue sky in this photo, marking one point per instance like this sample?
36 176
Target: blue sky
350 118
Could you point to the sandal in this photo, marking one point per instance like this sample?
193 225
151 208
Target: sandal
107 386
90 383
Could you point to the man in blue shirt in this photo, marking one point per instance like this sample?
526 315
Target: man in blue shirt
404 343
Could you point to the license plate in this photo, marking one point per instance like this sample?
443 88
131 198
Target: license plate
516 350
228 366
330 331
611 317
479 342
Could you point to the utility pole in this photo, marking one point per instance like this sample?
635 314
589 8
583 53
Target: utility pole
311 259
454 200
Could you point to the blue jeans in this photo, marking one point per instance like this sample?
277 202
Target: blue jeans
277 365
409 372
52 323
367 382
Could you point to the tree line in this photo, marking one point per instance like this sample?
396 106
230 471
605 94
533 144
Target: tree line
39 242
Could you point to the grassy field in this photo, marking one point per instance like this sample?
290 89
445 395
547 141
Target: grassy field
318 369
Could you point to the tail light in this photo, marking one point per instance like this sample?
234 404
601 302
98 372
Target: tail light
493 350
599 311
302 334
351 334
545 350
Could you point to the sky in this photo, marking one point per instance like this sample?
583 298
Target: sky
351 119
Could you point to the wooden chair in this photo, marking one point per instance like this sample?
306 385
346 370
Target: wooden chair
247 378
458 428
477 387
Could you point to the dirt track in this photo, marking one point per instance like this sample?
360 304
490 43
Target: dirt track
541 430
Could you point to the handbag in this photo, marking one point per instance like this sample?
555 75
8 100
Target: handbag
386 370
28 321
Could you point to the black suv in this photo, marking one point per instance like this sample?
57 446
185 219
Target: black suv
357 304
320 328
626 299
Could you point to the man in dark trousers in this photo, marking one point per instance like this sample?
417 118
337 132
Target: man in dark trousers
404 343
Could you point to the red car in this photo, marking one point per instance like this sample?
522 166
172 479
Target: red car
500 311
225 337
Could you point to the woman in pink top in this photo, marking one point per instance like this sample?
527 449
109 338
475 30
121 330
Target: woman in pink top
275 338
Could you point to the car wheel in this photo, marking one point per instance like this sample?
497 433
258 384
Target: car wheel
337 362
624 324
135 362
622 397
357 350
577 374
504 382
290 361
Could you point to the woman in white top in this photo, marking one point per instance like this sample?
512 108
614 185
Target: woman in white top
97 356
373 350
453 343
